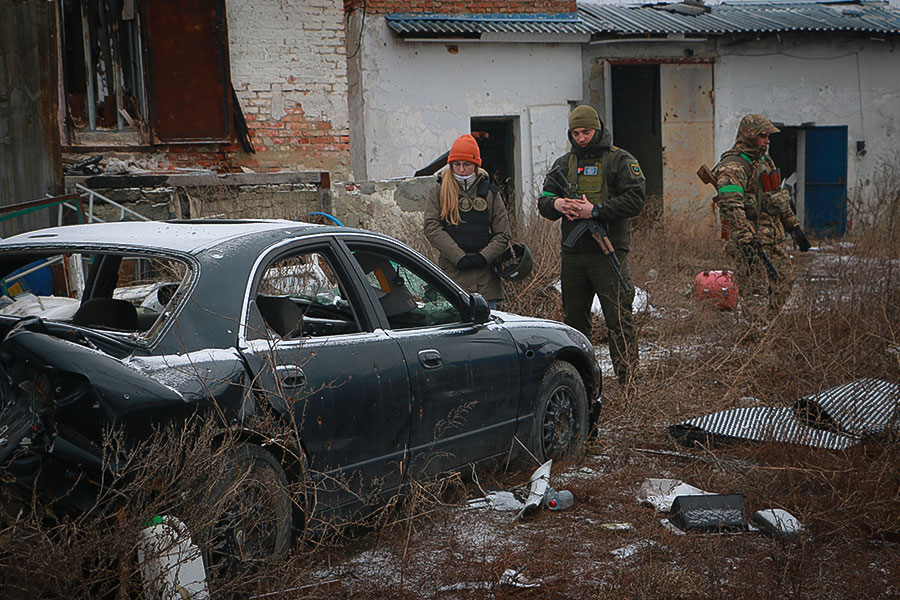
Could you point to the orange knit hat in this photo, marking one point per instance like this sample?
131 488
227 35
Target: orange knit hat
465 148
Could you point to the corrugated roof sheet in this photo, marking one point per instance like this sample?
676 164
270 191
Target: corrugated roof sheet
474 25
689 18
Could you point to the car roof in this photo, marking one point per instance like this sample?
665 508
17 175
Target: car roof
189 236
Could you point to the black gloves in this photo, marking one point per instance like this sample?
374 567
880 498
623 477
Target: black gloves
800 239
471 261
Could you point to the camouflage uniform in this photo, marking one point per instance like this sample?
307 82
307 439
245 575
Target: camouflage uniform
748 212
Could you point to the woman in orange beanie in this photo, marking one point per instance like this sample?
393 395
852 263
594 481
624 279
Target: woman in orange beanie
466 221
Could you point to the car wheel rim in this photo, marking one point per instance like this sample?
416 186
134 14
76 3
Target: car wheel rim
247 528
559 422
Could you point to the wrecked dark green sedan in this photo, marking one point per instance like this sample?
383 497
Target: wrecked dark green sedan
388 370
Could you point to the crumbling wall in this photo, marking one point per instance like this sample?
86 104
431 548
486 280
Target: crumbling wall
288 68
394 207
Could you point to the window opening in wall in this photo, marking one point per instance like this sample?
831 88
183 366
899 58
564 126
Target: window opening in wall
145 72
102 68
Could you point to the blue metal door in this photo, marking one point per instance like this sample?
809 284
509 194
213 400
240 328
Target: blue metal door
826 180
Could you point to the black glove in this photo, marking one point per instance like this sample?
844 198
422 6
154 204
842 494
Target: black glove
800 239
471 261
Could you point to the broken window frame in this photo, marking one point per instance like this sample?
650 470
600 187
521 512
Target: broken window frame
121 72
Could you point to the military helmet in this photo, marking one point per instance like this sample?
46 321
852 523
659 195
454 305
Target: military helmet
515 263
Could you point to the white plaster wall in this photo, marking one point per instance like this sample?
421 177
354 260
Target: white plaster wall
411 100
833 81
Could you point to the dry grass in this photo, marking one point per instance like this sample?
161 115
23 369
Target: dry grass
842 324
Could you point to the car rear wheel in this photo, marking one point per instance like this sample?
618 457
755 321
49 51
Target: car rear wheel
253 513
560 413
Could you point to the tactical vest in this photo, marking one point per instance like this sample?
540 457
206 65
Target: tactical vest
474 229
588 177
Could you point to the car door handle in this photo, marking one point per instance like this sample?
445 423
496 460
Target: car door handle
430 359
291 376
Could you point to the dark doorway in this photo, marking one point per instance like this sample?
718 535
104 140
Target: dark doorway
636 119
783 150
497 145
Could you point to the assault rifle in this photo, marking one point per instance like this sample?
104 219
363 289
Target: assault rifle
562 188
748 251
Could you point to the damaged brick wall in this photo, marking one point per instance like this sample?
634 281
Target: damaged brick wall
288 68
462 7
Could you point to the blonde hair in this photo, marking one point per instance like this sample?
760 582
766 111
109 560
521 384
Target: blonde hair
450 195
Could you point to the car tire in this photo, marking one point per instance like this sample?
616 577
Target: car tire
253 513
561 419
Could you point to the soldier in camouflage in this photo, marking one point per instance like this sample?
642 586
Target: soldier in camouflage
757 215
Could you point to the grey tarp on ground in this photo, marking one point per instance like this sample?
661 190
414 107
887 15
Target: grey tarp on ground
835 419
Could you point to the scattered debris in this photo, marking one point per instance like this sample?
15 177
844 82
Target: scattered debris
514 578
617 526
835 419
509 578
778 523
661 493
170 563
499 500
709 512
539 482
632 549
558 500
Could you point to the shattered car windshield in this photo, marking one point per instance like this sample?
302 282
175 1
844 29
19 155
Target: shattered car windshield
117 292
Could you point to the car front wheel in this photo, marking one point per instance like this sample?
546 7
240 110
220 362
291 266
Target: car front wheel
560 413
253 512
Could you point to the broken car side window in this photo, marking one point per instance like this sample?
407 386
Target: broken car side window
301 295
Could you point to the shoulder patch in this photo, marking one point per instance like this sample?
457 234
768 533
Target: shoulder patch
635 169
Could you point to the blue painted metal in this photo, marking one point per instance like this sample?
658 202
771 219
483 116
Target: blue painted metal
690 19
327 216
826 180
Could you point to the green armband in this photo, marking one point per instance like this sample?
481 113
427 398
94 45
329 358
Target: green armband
729 189
548 195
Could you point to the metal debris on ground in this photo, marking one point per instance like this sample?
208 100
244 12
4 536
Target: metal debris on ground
498 500
538 482
835 419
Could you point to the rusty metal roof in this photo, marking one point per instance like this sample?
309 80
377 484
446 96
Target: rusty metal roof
438 25
695 18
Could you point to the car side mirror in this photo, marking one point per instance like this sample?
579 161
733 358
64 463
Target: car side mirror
479 310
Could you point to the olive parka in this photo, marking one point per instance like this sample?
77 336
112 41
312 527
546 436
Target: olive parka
482 281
